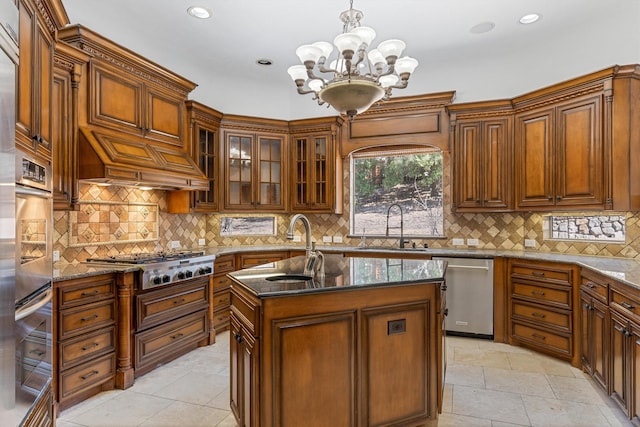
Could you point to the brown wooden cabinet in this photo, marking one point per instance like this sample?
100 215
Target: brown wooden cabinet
67 73
559 154
41 414
170 321
222 291
541 308
594 321
315 187
35 80
625 349
482 159
346 336
85 357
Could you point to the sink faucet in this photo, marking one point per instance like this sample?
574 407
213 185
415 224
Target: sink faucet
402 241
307 229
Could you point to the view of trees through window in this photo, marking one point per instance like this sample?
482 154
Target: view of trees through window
411 179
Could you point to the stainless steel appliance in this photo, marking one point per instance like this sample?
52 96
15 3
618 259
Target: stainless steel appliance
469 296
163 268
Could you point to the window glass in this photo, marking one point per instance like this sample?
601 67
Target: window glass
394 189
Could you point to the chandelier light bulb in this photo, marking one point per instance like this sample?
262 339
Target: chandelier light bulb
366 34
326 48
347 42
309 52
406 64
297 72
391 47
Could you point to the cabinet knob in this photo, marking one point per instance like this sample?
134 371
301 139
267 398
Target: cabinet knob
238 338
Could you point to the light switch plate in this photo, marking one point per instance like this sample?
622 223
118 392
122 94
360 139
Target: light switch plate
201 242
56 256
326 239
529 243
458 242
175 244
472 242
297 238
337 239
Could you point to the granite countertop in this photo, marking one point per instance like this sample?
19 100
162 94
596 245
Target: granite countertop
625 270
341 273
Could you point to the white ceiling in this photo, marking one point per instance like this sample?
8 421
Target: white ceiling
574 37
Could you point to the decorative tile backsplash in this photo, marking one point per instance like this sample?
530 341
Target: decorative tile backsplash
501 231
595 228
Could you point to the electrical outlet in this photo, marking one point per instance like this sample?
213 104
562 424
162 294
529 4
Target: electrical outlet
458 242
529 243
201 242
56 256
472 242
175 244
337 238
326 239
297 238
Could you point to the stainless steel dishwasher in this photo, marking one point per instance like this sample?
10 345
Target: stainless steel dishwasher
469 296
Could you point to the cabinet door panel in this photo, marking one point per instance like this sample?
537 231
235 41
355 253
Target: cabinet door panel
315 350
164 117
534 164
468 166
43 96
116 101
496 171
579 157
619 366
634 379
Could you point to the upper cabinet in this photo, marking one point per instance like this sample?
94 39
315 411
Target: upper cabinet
559 154
482 156
35 80
316 168
128 93
255 164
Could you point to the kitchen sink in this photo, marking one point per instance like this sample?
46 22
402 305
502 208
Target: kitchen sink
289 278
391 248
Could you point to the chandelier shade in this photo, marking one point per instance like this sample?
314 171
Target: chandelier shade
356 79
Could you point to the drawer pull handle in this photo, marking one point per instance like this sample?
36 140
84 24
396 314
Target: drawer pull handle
176 336
94 292
591 285
540 337
179 301
537 273
537 293
89 375
90 346
627 305
238 338
84 319
539 315
37 352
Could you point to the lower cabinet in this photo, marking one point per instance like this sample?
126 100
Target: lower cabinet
363 357
222 291
85 319
625 350
170 321
41 415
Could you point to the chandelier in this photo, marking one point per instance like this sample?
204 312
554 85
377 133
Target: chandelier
358 79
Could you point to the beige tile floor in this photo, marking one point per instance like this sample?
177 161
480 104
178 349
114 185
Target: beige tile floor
487 384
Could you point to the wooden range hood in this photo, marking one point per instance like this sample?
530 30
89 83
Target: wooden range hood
118 159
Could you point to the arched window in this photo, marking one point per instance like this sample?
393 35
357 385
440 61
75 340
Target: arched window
410 177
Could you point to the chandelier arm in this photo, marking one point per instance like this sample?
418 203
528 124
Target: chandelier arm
322 68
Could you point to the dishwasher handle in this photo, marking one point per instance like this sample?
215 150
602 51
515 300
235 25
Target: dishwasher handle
468 267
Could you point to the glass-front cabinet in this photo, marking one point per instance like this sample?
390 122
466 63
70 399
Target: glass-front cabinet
255 176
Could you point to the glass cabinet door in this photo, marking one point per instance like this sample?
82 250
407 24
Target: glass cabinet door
207 161
239 155
270 171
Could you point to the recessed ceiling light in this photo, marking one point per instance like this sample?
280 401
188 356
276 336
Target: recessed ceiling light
483 27
199 12
264 61
530 18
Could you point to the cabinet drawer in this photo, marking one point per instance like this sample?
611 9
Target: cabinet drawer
75 321
595 285
221 282
87 375
221 300
224 264
542 315
541 338
156 307
221 320
557 296
85 347
247 313
551 274
626 303
86 291
160 343
251 260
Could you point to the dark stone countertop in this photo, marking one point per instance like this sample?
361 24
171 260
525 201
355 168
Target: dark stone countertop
341 273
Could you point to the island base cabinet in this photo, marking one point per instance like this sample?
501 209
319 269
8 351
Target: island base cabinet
625 366
349 358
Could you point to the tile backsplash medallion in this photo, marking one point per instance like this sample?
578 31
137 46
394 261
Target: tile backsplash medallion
134 231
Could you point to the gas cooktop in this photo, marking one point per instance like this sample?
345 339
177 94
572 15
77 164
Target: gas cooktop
146 258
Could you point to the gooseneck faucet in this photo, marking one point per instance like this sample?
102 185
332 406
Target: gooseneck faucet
402 241
307 229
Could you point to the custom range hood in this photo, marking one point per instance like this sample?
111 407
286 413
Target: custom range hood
114 158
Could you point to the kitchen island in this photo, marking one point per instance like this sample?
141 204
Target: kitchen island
361 346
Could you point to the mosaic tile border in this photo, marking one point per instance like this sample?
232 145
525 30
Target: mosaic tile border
248 226
104 223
